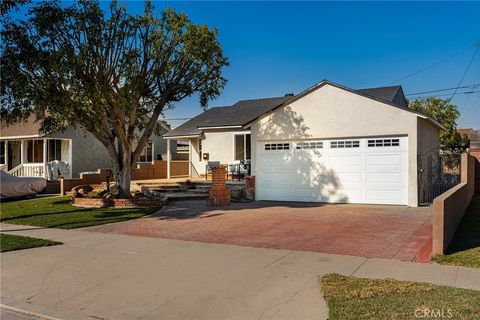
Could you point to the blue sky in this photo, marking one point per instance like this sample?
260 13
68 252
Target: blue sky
280 47
285 47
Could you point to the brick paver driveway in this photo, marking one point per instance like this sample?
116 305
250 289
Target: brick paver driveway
361 230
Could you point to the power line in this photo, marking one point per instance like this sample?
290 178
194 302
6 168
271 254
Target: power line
434 65
447 94
469 109
473 86
465 72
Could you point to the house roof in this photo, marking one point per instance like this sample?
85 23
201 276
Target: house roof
246 111
28 128
385 93
236 115
474 136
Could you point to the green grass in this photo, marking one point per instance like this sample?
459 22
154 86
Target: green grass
465 247
57 212
10 242
357 298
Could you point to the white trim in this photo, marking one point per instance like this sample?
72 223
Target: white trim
153 151
45 146
219 127
6 154
22 151
70 155
182 137
168 159
190 158
21 137
242 133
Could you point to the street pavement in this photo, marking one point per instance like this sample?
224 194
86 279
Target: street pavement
113 276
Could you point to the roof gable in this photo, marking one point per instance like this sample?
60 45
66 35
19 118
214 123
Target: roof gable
239 114
245 112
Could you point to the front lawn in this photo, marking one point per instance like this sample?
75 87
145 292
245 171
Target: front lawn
10 242
57 212
357 298
465 247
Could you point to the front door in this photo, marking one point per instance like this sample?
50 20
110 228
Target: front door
13 154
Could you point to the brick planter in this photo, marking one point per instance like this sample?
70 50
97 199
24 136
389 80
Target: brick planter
218 195
102 202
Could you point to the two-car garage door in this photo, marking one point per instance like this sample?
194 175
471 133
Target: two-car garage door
363 170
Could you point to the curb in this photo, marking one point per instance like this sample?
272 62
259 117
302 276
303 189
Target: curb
27 313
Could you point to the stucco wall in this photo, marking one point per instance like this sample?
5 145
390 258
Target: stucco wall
219 144
428 136
449 207
331 112
88 154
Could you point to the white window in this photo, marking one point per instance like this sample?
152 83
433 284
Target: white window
242 146
345 144
54 150
147 153
383 143
310 145
277 146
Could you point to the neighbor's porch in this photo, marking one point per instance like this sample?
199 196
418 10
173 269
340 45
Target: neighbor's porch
32 157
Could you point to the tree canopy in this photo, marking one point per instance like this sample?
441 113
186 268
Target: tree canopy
111 73
447 114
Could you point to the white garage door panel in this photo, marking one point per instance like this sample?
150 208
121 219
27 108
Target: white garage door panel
357 175
379 196
384 159
346 160
385 177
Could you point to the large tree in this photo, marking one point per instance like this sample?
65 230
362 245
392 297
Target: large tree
447 114
111 73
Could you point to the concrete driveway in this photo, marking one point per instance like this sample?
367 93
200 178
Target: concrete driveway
378 231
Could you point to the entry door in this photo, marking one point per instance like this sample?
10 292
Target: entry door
354 170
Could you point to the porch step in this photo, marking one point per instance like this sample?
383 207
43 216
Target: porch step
198 190
185 196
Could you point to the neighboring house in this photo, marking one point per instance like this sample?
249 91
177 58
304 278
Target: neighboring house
473 135
329 143
25 151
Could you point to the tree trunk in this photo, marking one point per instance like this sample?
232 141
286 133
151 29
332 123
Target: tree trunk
123 175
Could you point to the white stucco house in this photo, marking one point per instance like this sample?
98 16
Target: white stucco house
329 143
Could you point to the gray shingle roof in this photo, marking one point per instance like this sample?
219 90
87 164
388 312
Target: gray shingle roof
392 94
245 111
238 114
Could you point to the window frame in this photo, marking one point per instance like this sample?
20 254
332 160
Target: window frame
245 156
145 153
309 145
275 146
383 143
344 144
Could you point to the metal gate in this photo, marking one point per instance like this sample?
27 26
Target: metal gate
438 171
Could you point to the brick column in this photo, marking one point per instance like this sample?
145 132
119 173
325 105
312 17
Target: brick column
218 195
250 187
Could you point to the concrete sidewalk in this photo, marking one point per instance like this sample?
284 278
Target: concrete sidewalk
111 276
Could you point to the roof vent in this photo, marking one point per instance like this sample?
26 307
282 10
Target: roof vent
289 95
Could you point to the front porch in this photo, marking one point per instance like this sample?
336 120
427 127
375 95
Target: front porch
37 157
198 154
